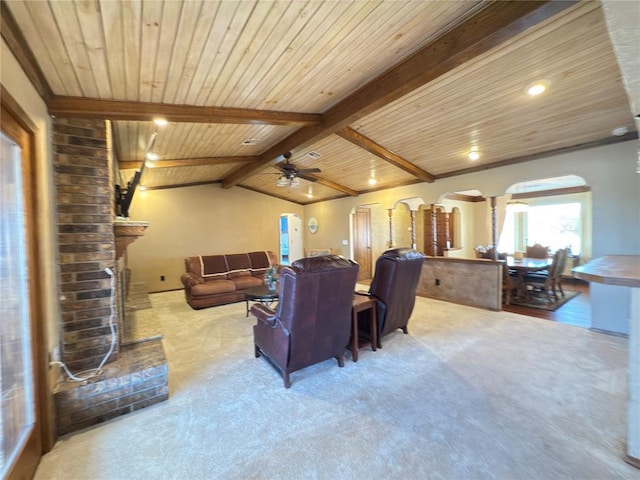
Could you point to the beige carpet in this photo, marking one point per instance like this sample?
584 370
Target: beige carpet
468 394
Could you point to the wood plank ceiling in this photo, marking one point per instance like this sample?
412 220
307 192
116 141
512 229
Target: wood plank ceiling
396 91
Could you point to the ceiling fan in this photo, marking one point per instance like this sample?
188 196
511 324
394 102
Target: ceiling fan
289 173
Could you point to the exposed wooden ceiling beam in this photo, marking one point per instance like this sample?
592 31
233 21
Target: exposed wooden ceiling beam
490 27
275 195
369 145
184 162
334 185
464 198
146 112
181 185
19 47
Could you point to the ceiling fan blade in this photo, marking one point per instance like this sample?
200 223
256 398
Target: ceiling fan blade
307 177
309 170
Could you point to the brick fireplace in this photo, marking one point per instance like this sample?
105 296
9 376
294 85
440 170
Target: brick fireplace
91 244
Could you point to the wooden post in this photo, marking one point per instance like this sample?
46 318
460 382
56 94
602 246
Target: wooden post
391 228
494 228
434 230
413 230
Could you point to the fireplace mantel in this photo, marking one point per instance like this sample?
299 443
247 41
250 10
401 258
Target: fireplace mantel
127 232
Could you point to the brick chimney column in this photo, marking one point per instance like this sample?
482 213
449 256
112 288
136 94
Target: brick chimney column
85 214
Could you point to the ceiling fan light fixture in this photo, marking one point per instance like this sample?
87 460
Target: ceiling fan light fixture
295 181
474 155
282 181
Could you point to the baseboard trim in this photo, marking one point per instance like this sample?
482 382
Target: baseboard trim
609 332
632 461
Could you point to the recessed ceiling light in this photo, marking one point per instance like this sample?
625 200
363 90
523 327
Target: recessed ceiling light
372 181
620 131
161 122
152 156
474 155
537 88
142 188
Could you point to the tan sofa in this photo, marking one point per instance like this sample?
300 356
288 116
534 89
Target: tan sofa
217 279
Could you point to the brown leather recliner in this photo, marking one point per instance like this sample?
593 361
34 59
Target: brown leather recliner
394 287
312 321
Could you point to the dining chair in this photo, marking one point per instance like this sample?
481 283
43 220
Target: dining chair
537 251
510 283
545 283
557 275
480 251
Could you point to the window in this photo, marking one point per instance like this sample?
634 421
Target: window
556 225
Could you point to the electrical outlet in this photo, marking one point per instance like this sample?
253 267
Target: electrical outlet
55 354
162 278
437 282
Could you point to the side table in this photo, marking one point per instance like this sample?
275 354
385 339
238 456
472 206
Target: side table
362 303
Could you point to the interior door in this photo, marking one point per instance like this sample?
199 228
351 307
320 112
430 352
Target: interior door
362 242
21 386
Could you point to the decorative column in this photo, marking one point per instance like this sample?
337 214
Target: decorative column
391 228
494 228
413 204
434 230
413 230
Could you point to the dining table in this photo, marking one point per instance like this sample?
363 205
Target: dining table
523 266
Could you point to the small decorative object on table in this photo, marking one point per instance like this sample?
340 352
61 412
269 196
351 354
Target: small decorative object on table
271 277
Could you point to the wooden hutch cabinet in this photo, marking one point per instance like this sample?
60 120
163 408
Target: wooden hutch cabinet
440 230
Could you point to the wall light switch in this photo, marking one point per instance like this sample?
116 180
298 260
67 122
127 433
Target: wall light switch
345 242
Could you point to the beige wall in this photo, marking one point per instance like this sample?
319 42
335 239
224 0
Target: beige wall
200 220
608 170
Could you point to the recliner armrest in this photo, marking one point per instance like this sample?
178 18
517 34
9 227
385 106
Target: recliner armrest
264 314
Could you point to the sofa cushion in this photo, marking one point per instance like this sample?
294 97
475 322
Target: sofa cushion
260 261
239 265
213 287
213 266
242 283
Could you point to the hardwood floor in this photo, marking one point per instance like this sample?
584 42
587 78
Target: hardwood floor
577 311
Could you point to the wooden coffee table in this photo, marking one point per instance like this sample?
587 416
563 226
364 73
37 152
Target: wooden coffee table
260 294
